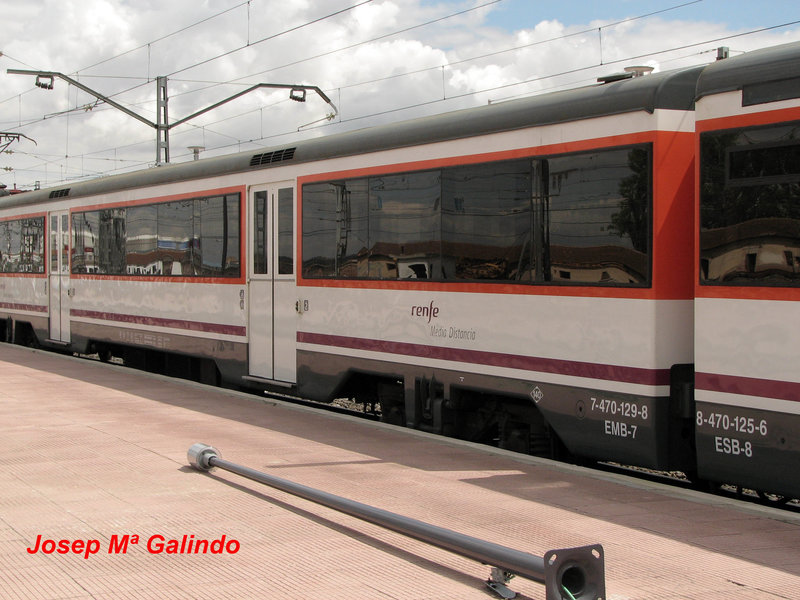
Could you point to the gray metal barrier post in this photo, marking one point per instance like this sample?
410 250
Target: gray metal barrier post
568 574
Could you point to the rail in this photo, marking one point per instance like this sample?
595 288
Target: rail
567 574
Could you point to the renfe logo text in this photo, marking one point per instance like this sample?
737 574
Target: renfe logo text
430 311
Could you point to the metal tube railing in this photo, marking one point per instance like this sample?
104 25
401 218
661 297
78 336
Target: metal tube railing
568 574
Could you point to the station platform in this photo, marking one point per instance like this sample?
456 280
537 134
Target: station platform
96 453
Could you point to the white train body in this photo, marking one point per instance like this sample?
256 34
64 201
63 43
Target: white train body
524 274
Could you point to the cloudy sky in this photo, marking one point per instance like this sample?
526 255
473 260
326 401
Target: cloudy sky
377 60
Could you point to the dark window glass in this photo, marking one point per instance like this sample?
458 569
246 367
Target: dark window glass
31 258
260 229
232 259
487 222
197 237
175 233
111 246
142 241
578 219
352 228
54 243
215 254
85 229
10 246
320 218
98 240
597 217
405 226
336 229
285 231
750 206
22 245
770 164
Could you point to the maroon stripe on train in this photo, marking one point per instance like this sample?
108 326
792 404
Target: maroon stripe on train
28 307
161 322
512 361
748 386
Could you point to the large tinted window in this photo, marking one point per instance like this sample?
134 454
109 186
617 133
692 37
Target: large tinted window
285 231
405 226
98 242
336 229
581 218
597 216
22 245
487 222
750 206
197 237
218 245
142 241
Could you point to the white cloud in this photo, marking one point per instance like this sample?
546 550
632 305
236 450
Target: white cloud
419 67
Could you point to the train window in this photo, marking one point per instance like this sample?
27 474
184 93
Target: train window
260 229
54 244
98 241
22 245
216 251
175 233
596 214
487 222
763 164
285 231
580 218
194 237
85 228
142 241
750 206
335 229
405 226
320 224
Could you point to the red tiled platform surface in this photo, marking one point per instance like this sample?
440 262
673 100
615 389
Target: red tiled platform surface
90 451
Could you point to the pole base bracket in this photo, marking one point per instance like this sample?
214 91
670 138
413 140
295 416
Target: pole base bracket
497 583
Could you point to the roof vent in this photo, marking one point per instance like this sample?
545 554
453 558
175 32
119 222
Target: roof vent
59 193
272 157
639 70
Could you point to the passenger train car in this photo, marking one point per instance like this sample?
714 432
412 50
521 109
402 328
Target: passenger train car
606 273
747 324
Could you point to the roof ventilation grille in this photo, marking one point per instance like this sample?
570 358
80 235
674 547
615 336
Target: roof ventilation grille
59 193
272 157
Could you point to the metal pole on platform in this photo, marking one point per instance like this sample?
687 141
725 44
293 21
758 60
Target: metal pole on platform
568 574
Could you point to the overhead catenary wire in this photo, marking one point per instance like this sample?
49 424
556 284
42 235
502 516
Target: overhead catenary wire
373 114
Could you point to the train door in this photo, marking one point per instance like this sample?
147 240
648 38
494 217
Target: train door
59 277
272 321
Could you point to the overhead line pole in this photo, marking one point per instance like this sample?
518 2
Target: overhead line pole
45 79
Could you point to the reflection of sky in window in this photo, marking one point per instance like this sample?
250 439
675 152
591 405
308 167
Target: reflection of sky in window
487 205
211 213
175 224
404 208
584 195
141 223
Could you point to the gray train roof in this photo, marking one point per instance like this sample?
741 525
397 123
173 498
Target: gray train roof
669 90
765 75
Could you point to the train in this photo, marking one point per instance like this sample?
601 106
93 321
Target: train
609 273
